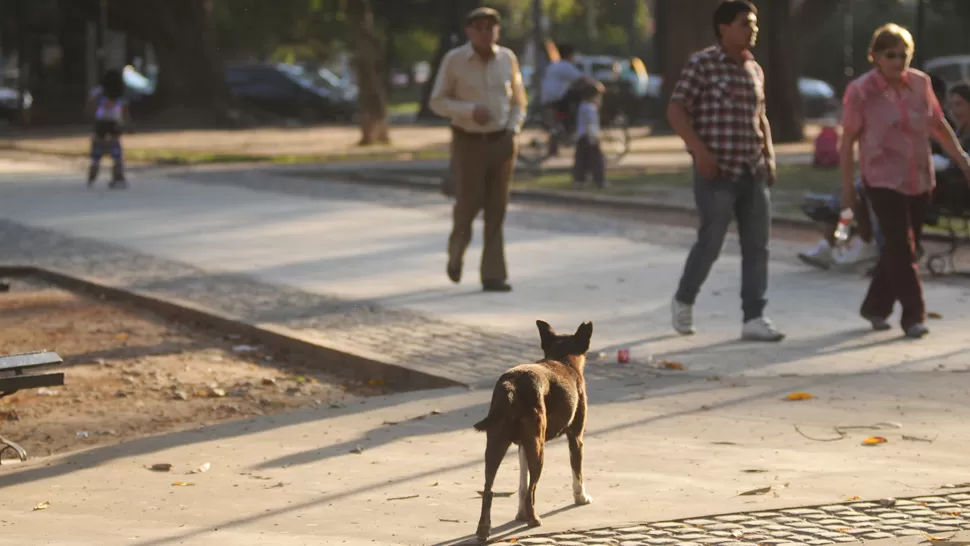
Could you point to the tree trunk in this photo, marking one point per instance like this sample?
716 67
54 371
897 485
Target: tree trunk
688 29
372 101
778 50
811 15
452 34
190 73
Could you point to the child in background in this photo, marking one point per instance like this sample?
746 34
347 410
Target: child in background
110 111
589 156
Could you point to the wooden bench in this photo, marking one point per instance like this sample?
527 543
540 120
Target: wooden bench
13 378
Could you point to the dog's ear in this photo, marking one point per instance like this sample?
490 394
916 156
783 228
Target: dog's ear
583 336
546 333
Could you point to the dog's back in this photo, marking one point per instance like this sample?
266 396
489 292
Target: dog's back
548 386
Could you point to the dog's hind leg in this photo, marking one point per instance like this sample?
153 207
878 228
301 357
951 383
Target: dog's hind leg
523 514
496 446
576 461
534 445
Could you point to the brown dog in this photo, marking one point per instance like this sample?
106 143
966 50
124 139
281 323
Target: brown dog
534 403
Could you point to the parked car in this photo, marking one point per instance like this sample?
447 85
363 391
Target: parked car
951 69
288 90
10 103
819 99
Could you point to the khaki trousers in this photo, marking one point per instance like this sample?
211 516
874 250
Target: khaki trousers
482 165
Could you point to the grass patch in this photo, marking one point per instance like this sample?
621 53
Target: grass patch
404 108
625 182
185 157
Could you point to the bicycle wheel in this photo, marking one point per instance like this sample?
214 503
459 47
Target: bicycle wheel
615 138
533 141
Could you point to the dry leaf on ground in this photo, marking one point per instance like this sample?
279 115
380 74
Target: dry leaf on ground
874 440
182 484
795 396
759 491
161 467
671 365
42 506
934 538
854 498
935 316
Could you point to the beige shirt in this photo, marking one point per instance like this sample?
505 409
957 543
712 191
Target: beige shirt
465 80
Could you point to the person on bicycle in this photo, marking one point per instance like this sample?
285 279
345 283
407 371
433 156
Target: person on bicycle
562 86
110 110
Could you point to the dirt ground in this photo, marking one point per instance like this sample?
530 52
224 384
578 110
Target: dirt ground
130 374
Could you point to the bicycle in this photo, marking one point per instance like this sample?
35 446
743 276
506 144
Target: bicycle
545 135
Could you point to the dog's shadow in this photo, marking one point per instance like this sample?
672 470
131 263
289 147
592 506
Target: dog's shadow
504 531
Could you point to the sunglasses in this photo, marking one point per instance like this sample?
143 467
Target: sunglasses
893 55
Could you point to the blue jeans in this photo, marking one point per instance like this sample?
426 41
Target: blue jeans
718 202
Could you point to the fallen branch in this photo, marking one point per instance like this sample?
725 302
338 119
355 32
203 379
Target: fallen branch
841 434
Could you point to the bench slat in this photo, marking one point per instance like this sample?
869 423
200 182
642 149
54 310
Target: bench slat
20 382
29 360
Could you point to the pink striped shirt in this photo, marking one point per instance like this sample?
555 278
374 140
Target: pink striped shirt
894 142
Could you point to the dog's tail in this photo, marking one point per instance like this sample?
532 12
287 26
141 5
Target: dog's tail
503 400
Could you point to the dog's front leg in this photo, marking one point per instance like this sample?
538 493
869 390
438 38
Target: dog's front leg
523 513
576 460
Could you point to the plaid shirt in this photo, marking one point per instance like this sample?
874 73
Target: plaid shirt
726 102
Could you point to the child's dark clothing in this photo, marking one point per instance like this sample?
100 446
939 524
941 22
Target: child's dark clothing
109 118
589 156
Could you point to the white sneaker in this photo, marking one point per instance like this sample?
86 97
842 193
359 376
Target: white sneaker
860 252
821 256
682 317
761 329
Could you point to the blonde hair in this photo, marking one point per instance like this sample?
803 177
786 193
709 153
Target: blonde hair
889 36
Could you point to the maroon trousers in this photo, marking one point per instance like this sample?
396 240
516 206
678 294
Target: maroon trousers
896 276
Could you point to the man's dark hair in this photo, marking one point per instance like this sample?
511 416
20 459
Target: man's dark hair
728 10
112 84
566 50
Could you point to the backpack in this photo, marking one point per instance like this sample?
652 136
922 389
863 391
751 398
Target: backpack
827 148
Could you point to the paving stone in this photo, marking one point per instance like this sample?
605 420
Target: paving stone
639 536
634 529
692 536
819 542
787 520
632 543
734 518
834 508
929 499
767 514
877 536
830 521
714 540
858 519
569 536
959 497
801 511
700 522
716 526
569 543
845 538
667 524
602 533
599 540
943 529
660 540
536 540
658 532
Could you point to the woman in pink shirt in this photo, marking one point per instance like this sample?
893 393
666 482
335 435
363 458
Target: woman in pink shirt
892 112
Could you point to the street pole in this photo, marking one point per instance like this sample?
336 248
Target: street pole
920 20
102 32
540 48
847 39
22 70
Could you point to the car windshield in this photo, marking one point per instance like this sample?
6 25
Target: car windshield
299 75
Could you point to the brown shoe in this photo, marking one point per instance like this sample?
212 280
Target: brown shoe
496 286
454 273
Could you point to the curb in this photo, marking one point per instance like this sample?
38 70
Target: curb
553 197
327 357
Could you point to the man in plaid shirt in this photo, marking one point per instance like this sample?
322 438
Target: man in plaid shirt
718 109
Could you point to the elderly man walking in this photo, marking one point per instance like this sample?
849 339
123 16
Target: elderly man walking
479 88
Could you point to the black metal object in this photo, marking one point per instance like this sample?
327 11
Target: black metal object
18 364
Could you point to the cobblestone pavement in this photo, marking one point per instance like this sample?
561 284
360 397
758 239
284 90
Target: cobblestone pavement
814 526
465 353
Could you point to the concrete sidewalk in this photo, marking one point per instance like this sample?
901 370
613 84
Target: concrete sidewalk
364 268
